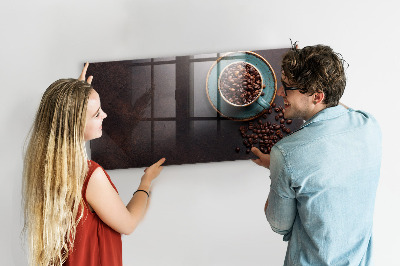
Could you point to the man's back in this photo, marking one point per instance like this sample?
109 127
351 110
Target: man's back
328 172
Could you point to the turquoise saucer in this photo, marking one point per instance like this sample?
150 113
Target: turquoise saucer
253 110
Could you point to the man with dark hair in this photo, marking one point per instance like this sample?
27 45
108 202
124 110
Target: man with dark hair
324 176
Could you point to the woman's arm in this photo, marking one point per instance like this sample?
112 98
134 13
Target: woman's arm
108 205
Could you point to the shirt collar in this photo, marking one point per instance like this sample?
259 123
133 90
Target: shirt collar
326 114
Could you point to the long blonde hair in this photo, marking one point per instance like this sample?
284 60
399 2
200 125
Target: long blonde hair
55 167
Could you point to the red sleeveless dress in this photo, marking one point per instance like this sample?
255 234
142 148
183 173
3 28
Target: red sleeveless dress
95 242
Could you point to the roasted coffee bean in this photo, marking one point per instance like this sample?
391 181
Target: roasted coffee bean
248 151
273 105
270 111
239 83
237 149
265 134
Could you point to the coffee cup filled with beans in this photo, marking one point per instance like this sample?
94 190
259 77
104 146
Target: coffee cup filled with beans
240 84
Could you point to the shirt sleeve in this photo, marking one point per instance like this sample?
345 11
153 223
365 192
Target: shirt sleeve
281 210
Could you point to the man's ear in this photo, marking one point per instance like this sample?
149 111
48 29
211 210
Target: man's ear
318 97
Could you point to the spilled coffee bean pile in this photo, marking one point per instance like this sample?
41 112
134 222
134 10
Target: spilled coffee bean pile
264 134
240 83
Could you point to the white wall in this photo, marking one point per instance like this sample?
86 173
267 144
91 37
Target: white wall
205 214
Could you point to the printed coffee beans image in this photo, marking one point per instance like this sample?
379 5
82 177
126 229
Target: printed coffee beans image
240 83
264 134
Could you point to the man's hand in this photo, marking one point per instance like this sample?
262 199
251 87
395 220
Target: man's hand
263 159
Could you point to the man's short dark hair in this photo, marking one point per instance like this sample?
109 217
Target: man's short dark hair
316 69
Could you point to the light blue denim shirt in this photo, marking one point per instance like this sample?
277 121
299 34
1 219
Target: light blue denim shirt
323 183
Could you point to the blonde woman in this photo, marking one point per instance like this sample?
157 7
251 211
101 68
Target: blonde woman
73 213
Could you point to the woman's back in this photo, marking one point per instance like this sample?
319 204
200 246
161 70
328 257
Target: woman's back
95 242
